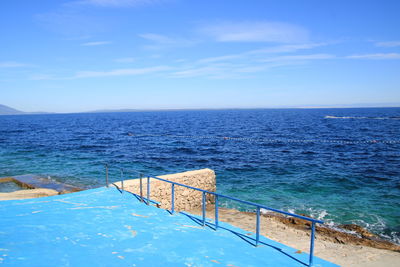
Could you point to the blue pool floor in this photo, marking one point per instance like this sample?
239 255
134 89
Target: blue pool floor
103 227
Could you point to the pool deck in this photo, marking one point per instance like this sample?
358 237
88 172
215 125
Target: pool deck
103 227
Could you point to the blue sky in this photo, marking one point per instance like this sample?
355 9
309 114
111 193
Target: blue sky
80 55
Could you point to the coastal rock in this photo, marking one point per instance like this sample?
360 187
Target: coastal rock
298 221
361 236
359 230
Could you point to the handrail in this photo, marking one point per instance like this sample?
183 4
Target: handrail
217 196
240 200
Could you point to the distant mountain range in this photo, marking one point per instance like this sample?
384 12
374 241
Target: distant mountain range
4 110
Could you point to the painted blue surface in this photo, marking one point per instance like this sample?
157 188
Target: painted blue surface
102 227
215 224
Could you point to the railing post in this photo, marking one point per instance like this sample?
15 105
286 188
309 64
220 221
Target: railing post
122 180
148 190
312 244
107 175
258 226
172 198
216 212
141 187
204 208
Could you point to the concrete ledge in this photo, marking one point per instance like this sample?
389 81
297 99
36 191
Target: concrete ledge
16 181
29 193
30 181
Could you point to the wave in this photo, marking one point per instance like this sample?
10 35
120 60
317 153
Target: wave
379 227
365 118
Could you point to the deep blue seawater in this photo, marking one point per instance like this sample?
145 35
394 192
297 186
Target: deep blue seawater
338 182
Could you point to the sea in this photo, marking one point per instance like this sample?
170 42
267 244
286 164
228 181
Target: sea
339 165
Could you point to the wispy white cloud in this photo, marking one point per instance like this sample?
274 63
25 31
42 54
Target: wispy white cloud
227 71
117 3
197 71
13 64
388 44
256 31
242 69
252 69
376 56
287 48
99 74
120 72
266 50
125 60
243 64
299 57
96 43
222 58
159 41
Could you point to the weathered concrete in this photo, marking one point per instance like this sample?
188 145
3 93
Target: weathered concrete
29 193
185 198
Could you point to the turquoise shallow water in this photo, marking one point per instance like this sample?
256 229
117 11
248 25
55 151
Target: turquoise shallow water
351 182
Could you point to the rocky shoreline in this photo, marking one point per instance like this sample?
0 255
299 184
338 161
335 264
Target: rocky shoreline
344 234
352 246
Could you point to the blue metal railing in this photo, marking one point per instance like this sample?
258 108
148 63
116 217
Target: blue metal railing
216 198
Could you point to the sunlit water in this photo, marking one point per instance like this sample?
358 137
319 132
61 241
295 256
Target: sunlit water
338 182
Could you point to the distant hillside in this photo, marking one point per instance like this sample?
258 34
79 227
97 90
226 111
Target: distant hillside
4 110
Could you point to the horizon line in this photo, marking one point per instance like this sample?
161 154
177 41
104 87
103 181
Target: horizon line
127 110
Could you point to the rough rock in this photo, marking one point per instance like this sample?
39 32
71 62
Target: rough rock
361 236
359 230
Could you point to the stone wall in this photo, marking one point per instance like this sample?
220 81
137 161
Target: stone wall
185 198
